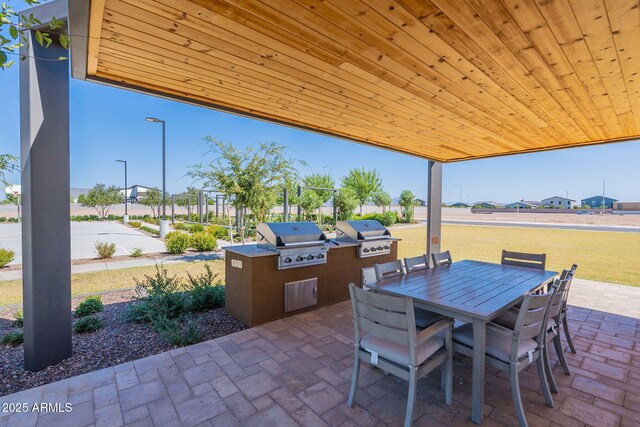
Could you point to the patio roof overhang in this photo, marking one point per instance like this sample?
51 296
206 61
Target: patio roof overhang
444 80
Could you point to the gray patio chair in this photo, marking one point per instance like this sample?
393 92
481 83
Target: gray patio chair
386 270
563 313
513 350
416 263
385 336
442 258
523 259
368 278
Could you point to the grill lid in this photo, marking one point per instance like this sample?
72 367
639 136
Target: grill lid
289 234
361 230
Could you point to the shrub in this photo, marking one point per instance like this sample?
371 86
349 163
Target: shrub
87 324
18 321
90 305
6 256
176 242
13 338
206 289
135 224
196 228
179 226
179 332
3 219
203 242
160 295
136 252
105 250
150 230
218 232
387 219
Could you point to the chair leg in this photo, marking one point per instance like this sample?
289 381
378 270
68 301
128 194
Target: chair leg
515 393
567 335
354 378
448 368
411 398
547 368
543 381
557 342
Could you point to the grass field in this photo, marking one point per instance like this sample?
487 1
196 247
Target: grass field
100 281
603 256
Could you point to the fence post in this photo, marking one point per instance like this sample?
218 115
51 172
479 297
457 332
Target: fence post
173 210
285 213
200 206
299 207
206 209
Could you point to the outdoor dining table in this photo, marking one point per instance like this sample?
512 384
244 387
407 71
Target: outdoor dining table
470 291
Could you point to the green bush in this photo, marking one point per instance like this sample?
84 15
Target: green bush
136 252
149 230
196 228
218 232
105 250
387 219
206 289
6 256
179 226
13 338
3 219
18 321
159 296
135 224
90 305
87 324
179 332
203 242
176 242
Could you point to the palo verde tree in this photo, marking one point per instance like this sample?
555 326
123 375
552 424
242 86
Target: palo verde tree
363 183
17 26
381 199
152 199
101 198
249 178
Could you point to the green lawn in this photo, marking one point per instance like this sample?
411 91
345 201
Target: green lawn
100 281
603 256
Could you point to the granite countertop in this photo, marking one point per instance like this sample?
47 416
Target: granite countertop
252 250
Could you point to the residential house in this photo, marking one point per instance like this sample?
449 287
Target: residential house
459 205
558 202
596 202
523 204
488 205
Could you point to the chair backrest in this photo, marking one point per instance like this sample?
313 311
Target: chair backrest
416 263
368 277
568 274
389 269
532 317
386 317
442 258
560 296
522 259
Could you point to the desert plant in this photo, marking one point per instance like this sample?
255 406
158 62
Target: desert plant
101 198
18 319
364 184
203 242
90 305
381 199
149 230
218 232
13 338
196 228
105 250
406 205
180 331
179 226
6 256
176 242
346 202
206 289
136 252
87 324
159 295
135 224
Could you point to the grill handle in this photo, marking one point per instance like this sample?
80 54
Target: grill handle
315 291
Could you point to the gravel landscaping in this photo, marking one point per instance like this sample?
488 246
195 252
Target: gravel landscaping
116 342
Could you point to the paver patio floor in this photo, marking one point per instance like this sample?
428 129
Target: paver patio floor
297 371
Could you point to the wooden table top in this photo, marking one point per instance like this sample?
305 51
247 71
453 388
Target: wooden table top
469 288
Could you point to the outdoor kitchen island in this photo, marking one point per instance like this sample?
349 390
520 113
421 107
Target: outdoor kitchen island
262 285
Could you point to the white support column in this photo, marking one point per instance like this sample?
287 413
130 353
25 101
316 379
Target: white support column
434 208
46 242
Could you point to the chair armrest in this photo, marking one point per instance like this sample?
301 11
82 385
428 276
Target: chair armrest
501 329
430 331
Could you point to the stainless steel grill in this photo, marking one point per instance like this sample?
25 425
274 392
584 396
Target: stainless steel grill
373 238
298 244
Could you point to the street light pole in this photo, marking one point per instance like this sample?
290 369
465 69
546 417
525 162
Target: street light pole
459 185
126 205
164 175
603 183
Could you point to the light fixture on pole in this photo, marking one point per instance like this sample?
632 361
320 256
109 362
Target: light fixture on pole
126 197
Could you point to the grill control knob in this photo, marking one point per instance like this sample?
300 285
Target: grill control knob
287 260
299 258
380 248
320 256
373 249
365 250
387 247
310 258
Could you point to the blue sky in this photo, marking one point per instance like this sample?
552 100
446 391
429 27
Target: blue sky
108 124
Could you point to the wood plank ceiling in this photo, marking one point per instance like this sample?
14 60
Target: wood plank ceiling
446 80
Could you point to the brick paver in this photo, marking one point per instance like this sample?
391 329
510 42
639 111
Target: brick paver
297 371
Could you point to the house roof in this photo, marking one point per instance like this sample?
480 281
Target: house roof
558 197
442 80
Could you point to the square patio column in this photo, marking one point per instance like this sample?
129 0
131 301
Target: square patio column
46 243
434 208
